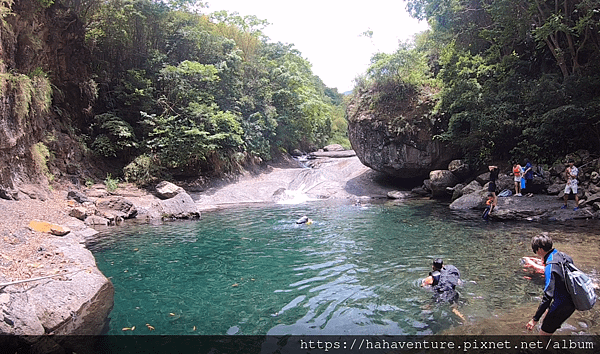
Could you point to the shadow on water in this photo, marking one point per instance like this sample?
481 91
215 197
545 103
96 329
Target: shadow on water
355 270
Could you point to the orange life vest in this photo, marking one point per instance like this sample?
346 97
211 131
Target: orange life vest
517 171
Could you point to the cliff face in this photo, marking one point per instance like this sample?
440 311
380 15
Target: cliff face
391 129
45 95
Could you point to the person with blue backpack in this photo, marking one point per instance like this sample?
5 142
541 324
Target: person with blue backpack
556 298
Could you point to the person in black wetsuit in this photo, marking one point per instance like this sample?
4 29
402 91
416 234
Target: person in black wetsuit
434 276
492 186
556 298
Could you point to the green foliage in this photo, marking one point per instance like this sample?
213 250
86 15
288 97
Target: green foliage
41 156
519 79
114 136
143 170
112 184
198 94
46 3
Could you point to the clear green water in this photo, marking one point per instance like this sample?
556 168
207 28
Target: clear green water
355 270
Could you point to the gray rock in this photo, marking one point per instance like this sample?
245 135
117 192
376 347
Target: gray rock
117 206
182 206
555 189
457 191
407 152
398 194
460 168
472 187
75 303
79 213
440 180
420 191
334 147
77 196
166 190
591 199
475 200
96 220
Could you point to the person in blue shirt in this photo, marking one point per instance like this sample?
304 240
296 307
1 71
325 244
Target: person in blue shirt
556 298
528 174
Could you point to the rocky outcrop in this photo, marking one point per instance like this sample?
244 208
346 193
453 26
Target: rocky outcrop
44 80
75 300
440 181
543 194
395 134
102 208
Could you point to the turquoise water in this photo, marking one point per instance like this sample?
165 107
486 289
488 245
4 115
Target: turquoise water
355 270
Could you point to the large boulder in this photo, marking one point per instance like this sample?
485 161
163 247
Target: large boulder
77 301
460 168
440 180
181 206
166 190
475 200
395 135
472 187
116 206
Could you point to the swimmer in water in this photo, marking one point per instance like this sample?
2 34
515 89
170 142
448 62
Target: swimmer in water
304 220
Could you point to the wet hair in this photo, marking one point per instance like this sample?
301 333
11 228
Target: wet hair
438 263
542 241
490 195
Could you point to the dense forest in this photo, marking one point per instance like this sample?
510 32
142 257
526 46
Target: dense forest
179 91
184 92
513 79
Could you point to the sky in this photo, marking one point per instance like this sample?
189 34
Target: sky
328 32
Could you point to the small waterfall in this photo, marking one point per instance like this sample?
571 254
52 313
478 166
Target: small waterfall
299 188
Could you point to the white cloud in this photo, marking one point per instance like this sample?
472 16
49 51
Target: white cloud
328 32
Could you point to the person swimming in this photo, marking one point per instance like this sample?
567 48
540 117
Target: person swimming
304 220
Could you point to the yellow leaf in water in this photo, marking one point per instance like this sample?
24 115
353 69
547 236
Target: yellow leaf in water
171 314
135 249
193 329
150 327
133 328
236 284
126 329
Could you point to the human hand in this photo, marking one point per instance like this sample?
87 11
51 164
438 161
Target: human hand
531 324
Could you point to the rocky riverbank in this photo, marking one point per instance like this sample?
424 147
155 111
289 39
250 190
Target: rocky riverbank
541 201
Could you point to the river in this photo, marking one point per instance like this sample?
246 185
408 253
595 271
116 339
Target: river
355 270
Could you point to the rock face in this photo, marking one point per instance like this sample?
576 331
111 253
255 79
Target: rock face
395 136
35 39
75 302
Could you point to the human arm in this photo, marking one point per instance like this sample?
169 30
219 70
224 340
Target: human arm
535 264
548 292
427 281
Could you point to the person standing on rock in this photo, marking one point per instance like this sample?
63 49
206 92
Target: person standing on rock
518 173
556 298
528 174
492 186
571 173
